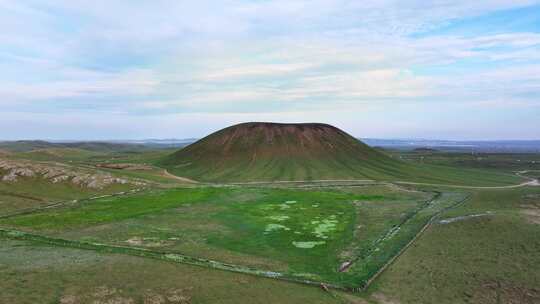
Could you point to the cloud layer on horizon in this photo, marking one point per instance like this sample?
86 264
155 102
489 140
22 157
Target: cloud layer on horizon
276 59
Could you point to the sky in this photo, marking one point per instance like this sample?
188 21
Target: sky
132 69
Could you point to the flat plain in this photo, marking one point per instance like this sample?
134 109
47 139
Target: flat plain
166 241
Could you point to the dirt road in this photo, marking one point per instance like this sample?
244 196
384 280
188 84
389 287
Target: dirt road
530 182
166 173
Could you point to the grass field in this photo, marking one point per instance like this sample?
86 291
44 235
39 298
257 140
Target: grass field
33 273
304 234
480 246
485 259
499 162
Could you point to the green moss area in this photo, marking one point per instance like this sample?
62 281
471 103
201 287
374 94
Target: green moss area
111 209
301 234
306 230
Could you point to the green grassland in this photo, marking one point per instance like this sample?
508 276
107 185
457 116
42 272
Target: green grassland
93 146
485 252
304 234
112 209
154 175
146 156
498 162
91 157
486 259
58 154
34 273
439 168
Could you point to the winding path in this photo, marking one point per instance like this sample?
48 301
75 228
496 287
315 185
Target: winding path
530 182
166 173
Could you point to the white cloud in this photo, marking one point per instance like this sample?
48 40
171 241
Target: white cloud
82 83
258 56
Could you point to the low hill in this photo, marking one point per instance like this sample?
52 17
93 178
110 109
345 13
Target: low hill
260 151
57 154
425 150
25 145
94 146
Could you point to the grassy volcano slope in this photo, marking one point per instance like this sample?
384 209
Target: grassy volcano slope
271 151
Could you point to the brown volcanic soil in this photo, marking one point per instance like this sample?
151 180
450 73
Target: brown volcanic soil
274 139
273 151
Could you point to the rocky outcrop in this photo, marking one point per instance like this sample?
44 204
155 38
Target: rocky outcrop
13 170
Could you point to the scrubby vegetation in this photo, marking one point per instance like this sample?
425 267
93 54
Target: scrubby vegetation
488 259
477 245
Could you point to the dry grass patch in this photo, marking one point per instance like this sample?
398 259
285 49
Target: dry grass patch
532 214
501 292
531 208
384 299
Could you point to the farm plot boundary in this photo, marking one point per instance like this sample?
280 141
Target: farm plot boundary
362 282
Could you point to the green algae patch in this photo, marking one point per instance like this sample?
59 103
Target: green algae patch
306 230
326 227
279 218
275 227
307 245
